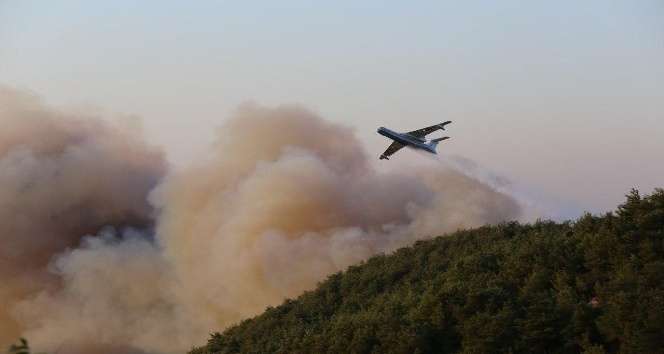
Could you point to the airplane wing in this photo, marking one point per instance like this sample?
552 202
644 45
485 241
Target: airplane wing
394 147
421 133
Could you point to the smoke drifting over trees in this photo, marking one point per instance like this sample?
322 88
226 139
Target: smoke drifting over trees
104 252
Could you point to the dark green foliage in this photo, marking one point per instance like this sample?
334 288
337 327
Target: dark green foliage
21 348
595 286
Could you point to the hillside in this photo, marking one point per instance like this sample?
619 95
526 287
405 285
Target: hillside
593 285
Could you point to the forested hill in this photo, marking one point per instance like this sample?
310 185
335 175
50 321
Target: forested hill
593 285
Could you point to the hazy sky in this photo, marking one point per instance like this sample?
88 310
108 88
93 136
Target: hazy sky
564 98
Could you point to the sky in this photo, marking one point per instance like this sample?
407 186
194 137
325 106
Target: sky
565 99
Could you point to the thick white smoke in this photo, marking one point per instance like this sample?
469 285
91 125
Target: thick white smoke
286 199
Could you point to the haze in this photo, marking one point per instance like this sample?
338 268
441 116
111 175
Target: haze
565 99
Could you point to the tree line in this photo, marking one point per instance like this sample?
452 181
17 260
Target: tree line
594 285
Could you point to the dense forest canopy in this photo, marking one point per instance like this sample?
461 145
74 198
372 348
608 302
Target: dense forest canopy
595 285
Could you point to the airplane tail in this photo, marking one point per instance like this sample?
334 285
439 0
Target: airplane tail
434 142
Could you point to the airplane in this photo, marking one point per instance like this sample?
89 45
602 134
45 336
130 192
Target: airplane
414 139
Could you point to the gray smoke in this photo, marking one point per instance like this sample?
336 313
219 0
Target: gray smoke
62 176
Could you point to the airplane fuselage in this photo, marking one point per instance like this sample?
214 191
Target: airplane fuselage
406 139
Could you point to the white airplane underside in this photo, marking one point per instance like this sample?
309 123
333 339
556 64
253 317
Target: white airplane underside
414 139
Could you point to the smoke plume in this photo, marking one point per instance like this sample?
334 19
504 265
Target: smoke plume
61 177
285 199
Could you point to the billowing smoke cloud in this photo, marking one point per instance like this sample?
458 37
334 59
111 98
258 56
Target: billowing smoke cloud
285 199
61 177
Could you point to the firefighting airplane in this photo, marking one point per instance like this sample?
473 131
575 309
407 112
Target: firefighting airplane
414 139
